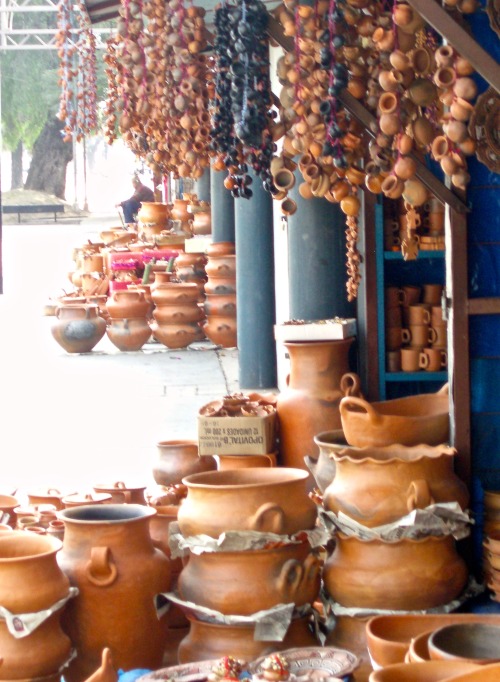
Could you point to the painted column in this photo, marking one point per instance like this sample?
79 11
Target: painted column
222 204
202 186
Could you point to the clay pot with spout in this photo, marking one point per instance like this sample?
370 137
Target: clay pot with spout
263 499
376 486
106 547
223 580
375 574
78 328
177 459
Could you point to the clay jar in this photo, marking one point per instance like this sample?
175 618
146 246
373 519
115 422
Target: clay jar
179 211
153 213
28 560
129 303
202 221
223 580
178 314
106 547
263 499
374 574
78 328
310 401
175 292
175 335
221 330
177 459
221 266
210 641
375 486
222 304
220 249
121 493
128 335
7 505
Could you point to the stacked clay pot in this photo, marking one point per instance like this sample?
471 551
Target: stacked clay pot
128 323
176 314
267 500
220 300
190 267
28 560
152 219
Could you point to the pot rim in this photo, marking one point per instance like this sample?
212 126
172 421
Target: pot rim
52 545
415 453
252 477
98 514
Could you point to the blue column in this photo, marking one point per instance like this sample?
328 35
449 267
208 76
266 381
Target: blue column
222 204
255 298
202 186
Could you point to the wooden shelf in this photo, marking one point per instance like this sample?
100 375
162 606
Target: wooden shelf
397 255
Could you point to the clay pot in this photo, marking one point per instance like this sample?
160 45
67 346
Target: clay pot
415 192
375 486
128 334
228 462
202 222
374 574
222 304
428 671
268 500
105 548
26 560
78 328
220 285
472 642
211 641
178 313
177 459
121 493
7 505
193 262
129 303
221 266
160 277
77 499
221 330
180 212
319 378
175 292
220 249
176 335
323 468
392 187
422 92
153 213
50 496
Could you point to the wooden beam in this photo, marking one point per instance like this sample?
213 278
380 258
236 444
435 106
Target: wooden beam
435 15
484 306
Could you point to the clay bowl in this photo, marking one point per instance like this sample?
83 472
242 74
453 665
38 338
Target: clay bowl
473 642
407 421
419 648
429 671
485 673
388 637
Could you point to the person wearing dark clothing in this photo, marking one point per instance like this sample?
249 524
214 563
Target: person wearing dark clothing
133 204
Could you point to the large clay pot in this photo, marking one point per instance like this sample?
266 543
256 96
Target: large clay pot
222 330
202 220
179 212
220 285
375 486
128 334
78 328
193 263
171 293
309 404
210 641
153 213
221 266
109 555
405 575
177 459
178 313
223 580
28 560
222 304
176 335
264 499
130 304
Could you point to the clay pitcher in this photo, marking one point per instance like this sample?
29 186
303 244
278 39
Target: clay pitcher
177 459
309 404
31 581
109 555
78 328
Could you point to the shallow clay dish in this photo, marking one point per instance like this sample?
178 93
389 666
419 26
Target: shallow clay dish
473 642
429 671
315 663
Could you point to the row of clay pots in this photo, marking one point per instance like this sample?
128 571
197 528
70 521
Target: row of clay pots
220 299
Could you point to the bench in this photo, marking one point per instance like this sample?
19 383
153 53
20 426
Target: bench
35 208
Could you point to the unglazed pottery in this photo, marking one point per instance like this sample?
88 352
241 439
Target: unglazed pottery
128 334
153 213
177 459
129 303
78 328
105 549
176 335
122 493
268 500
7 505
222 330
323 468
225 462
429 671
472 642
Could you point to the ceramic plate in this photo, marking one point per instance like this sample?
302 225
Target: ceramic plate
187 672
315 663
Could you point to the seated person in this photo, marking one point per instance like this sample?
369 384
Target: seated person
132 205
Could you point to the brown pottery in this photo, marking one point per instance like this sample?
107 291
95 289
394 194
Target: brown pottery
174 293
430 671
129 303
264 499
178 313
221 330
105 549
7 505
78 328
122 493
128 334
323 468
472 642
226 462
220 249
51 496
79 499
221 266
176 335
153 213
177 459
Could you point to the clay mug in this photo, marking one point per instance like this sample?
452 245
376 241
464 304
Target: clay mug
434 359
393 317
393 361
411 359
437 316
418 315
432 294
421 335
393 338
440 334
410 295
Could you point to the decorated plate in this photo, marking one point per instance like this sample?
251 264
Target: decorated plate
316 663
187 672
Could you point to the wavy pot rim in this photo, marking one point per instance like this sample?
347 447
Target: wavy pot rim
358 456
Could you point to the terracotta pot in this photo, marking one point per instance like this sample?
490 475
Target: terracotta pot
223 580
374 574
220 285
196 261
430 671
323 467
375 486
222 330
121 493
471 642
177 459
268 500
221 266
202 222
228 462
153 213
161 277
78 328
27 560
105 548
179 313
128 334
51 496
179 211
210 641
7 505
78 499
309 403
220 304
175 335
130 304
175 292
220 249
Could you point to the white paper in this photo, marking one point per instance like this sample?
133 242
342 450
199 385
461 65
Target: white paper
22 624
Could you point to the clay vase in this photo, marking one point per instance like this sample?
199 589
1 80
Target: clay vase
376 486
121 493
210 641
28 560
128 334
105 549
374 574
221 330
129 303
153 213
280 575
177 459
78 328
271 499
309 403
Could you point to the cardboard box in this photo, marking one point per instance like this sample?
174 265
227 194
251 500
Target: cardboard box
316 330
237 435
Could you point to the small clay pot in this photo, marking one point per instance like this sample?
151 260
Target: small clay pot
128 335
177 459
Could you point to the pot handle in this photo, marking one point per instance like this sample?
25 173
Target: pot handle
53 491
268 517
290 578
101 570
351 403
418 495
350 384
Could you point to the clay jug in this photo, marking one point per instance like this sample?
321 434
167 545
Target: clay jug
207 641
106 549
128 334
375 486
129 303
153 213
28 560
323 468
309 404
78 328
280 575
374 574
177 459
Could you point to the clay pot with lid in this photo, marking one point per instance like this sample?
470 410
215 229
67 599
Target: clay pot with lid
178 459
269 500
106 547
121 493
79 499
78 328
